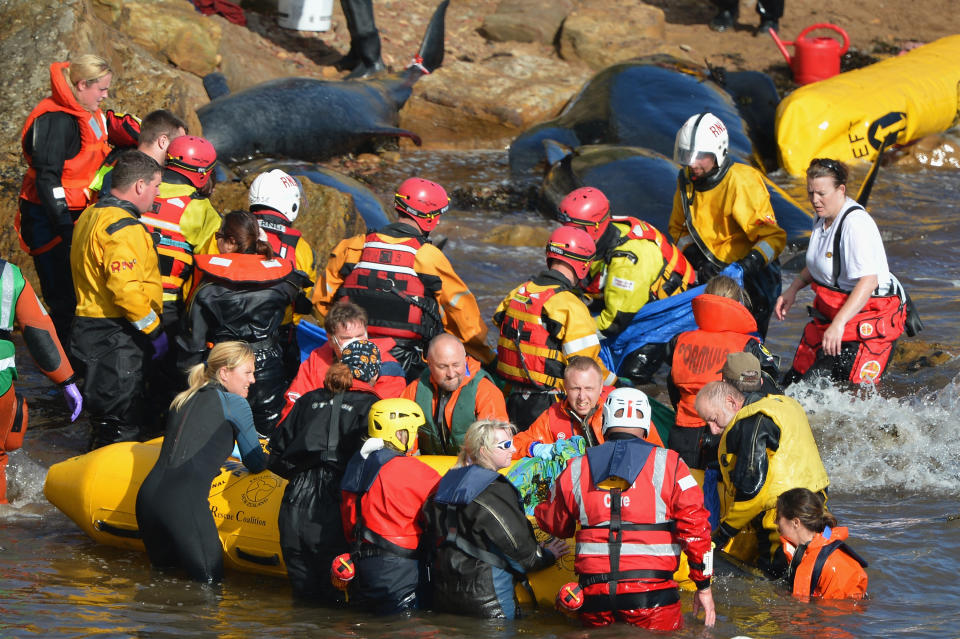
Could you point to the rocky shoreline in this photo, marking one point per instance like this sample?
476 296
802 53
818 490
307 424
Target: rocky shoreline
508 65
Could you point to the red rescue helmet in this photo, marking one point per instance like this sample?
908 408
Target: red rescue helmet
573 247
193 158
587 208
422 200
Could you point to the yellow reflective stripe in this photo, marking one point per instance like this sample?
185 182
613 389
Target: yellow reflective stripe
170 297
519 373
531 349
579 344
523 316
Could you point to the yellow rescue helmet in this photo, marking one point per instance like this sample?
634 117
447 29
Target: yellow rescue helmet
389 417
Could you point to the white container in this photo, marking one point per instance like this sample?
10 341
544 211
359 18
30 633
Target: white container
305 15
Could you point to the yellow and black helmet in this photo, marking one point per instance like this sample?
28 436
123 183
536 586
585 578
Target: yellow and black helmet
389 417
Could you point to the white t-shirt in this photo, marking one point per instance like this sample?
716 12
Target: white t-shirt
860 246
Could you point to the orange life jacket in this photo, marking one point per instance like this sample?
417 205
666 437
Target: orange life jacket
826 567
174 252
527 344
79 170
282 237
242 268
699 356
400 302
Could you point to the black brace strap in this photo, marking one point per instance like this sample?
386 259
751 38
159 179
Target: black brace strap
590 580
631 601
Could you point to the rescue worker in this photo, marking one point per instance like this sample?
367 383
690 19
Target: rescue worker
406 285
363 59
635 262
119 300
242 294
276 199
65 139
579 414
725 326
19 306
344 324
384 493
482 540
205 421
722 214
157 130
185 223
766 448
453 392
860 308
821 562
543 323
637 505
310 448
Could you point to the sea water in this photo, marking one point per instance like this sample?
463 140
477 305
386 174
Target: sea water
893 456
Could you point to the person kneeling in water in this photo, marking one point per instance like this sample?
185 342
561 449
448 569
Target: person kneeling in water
821 563
485 542
205 420
383 494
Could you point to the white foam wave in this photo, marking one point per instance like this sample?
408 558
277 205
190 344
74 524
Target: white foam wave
869 442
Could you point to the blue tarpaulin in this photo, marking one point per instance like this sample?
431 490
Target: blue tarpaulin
657 323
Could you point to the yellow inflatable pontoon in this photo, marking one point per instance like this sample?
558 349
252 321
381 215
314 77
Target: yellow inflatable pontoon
847 117
98 491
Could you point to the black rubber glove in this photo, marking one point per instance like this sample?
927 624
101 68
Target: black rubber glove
722 535
752 263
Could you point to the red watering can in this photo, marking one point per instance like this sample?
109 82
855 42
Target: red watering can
814 58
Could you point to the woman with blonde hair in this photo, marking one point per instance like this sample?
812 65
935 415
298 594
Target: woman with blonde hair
484 541
205 421
243 294
65 140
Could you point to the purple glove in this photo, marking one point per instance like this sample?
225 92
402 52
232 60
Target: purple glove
160 345
74 400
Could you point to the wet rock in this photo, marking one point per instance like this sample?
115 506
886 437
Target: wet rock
939 151
483 104
518 235
600 34
914 354
187 38
526 20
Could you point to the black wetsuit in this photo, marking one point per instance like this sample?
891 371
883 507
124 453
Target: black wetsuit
221 310
309 451
173 511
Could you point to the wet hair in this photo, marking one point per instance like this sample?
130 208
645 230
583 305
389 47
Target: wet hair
339 378
87 68
133 165
160 122
480 438
342 314
227 355
242 229
724 286
581 363
825 167
807 506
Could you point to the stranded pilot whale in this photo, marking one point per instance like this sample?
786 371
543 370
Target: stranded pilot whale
310 119
644 102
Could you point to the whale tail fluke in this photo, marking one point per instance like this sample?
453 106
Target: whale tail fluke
430 56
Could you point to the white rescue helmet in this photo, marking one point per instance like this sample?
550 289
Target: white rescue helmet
626 408
279 191
701 133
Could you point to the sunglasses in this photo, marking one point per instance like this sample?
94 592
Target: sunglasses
827 163
506 444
